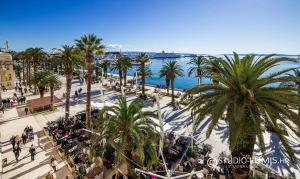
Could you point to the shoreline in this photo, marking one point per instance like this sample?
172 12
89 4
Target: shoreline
146 84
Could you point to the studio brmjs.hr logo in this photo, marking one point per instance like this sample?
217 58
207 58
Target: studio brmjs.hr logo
244 161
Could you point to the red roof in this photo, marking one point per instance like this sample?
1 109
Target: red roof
40 102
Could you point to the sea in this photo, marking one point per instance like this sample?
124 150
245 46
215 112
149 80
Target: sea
187 82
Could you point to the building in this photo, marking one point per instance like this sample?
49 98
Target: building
7 73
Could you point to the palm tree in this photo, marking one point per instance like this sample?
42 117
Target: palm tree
248 98
128 130
296 83
18 69
105 64
118 66
143 70
197 68
122 65
97 68
53 82
211 68
89 45
126 64
163 73
171 70
40 80
36 56
22 57
27 58
69 57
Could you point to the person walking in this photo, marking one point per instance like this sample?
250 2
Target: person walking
26 110
18 140
31 135
17 152
24 138
13 141
49 176
32 152
26 130
53 163
2 108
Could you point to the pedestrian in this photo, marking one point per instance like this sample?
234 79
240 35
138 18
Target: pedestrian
30 129
26 130
24 138
13 141
32 152
53 163
26 110
31 135
17 152
2 107
49 176
18 140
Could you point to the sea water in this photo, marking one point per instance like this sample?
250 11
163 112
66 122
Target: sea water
187 82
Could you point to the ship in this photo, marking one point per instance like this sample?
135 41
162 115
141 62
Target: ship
163 54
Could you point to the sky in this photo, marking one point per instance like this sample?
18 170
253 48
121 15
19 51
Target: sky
194 26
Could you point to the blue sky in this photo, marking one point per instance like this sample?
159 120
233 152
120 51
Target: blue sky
198 26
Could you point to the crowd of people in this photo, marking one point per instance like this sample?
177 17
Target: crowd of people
15 99
73 140
17 140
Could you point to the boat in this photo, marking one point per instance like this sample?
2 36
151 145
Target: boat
163 54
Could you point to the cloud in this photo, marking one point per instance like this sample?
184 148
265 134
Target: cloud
114 46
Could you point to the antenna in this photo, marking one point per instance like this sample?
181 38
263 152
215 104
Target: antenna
6 45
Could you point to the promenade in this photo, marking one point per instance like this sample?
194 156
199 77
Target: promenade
178 121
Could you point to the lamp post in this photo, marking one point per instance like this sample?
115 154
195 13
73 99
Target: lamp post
160 122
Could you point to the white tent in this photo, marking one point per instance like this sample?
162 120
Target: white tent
101 105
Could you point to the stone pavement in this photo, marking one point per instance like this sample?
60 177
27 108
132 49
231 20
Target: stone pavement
25 168
12 124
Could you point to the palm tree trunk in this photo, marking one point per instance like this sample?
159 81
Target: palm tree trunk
68 93
34 70
125 77
199 81
120 77
97 73
143 84
52 98
105 71
172 86
88 93
23 72
130 166
28 71
41 91
242 153
299 106
167 85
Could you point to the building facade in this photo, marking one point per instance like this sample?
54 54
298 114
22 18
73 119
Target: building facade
7 73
